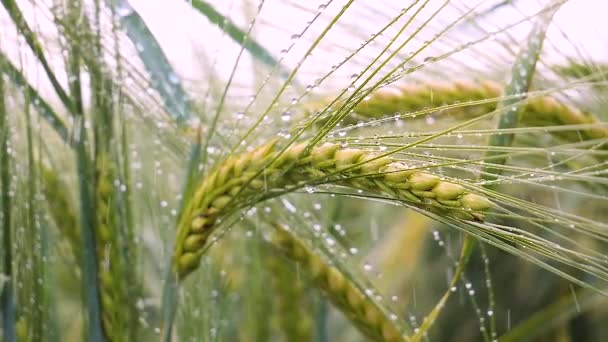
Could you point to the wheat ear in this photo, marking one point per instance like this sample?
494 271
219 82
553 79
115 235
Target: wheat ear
61 210
292 314
538 110
113 288
264 171
372 320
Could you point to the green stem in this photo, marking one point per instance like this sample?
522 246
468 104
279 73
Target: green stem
35 233
467 248
89 263
169 304
7 296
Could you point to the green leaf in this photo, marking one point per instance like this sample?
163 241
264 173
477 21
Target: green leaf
164 78
235 33
522 73
45 109
7 300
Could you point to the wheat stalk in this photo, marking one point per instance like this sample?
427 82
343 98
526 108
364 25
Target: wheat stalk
537 110
266 170
364 313
113 287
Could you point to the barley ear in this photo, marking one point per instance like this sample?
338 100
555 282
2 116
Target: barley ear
372 320
115 302
61 210
292 311
484 96
242 180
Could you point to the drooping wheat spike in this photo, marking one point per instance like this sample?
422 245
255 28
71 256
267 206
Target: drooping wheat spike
371 320
263 172
61 210
538 110
292 314
113 288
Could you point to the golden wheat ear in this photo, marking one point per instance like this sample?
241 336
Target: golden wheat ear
467 99
241 179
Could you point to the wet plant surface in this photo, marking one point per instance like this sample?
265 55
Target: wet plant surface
424 170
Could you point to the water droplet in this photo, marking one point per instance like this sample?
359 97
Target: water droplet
124 9
289 206
173 78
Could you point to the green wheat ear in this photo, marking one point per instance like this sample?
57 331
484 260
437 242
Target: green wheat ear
61 210
115 303
266 171
364 313
292 316
537 111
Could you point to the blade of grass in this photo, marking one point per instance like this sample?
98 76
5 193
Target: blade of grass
36 47
164 78
521 79
7 296
235 33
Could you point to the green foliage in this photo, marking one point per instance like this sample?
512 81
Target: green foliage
406 192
